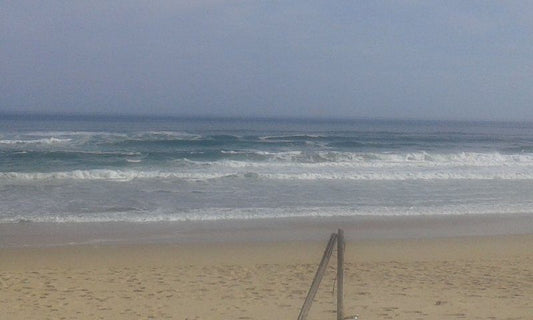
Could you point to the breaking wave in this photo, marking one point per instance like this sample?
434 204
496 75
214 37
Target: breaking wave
224 214
327 166
45 141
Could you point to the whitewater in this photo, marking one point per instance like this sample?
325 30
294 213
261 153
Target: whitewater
98 169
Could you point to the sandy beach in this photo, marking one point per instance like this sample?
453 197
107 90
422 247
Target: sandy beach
488 277
190 160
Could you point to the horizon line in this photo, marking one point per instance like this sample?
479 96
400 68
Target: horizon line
170 116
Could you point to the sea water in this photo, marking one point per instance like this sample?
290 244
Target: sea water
144 169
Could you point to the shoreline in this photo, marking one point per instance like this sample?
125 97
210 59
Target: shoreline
421 267
37 234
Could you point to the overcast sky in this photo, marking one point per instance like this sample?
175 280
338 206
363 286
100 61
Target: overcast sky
356 59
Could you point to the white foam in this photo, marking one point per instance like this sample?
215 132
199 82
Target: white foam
52 137
292 136
362 159
225 214
164 135
297 165
112 153
75 133
245 171
105 174
51 140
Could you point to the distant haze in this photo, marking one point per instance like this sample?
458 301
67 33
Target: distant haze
470 60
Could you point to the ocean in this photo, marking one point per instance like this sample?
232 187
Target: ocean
147 169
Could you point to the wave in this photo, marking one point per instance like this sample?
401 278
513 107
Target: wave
163 136
174 140
242 170
118 214
75 134
296 137
96 137
106 174
46 141
363 159
133 134
79 153
261 158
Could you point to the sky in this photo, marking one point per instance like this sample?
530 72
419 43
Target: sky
459 60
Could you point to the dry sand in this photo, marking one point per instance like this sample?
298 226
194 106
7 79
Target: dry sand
452 278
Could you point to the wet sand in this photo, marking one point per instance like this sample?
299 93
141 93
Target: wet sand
358 228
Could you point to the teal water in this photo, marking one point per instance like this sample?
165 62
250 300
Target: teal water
74 168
